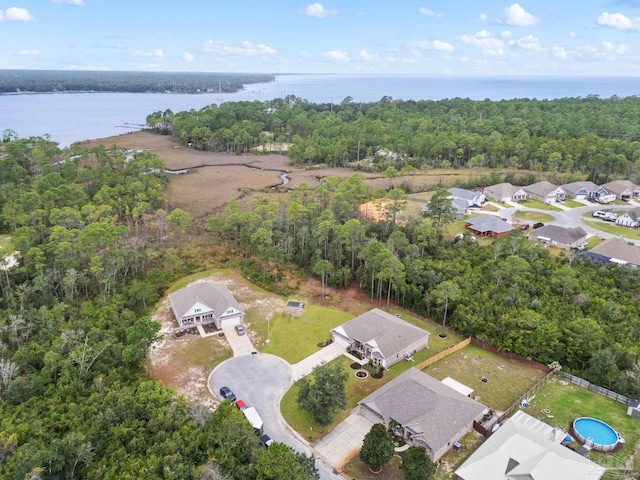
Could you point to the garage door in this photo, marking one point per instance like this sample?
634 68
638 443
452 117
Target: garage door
370 415
230 321
340 340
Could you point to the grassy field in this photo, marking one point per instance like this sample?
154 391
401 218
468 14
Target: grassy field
613 229
593 241
294 338
533 216
573 204
5 242
507 380
568 402
531 203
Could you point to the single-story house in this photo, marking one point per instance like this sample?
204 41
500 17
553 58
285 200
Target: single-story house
473 199
488 226
583 190
560 237
459 204
546 192
622 189
527 448
423 410
614 250
630 218
205 303
634 409
505 192
381 337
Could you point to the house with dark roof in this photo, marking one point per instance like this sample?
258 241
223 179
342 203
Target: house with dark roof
488 226
205 303
630 218
459 205
423 410
505 192
546 192
473 199
525 448
583 190
614 250
560 237
622 189
381 337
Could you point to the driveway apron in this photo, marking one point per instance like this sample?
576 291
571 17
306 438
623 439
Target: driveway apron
344 441
240 344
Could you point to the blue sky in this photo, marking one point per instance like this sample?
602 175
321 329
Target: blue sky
421 37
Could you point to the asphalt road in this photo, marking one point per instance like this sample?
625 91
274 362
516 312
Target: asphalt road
261 381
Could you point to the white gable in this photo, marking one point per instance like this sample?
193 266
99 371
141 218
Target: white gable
230 311
198 309
557 191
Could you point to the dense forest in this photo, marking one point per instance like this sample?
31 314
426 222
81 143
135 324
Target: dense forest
95 254
585 135
47 81
512 294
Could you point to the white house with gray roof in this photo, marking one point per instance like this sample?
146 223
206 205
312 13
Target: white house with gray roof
205 303
381 337
505 192
473 199
630 218
525 448
622 189
583 190
425 411
560 237
546 192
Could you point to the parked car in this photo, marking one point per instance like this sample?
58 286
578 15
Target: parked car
239 329
240 405
266 440
524 226
227 394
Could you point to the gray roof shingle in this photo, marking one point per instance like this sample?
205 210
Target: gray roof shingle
541 189
559 234
574 187
618 249
489 223
216 296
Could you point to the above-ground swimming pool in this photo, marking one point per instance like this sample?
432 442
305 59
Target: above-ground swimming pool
596 434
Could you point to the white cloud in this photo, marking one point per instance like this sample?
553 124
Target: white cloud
518 16
486 42
506 34
367 57
72 2
157 53
317 10
188 57
484 17
92 68
529 43
617 21
17 14
428 12
435 45
605 51
573 34
304 54
559 52
245 49
339 55
393 59
28 53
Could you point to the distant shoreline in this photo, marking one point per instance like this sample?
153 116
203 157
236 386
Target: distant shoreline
71 92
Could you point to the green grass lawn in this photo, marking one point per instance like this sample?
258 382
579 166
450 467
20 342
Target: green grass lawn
507 380
294 338
612 228
593 241
533 216
531 203
573 204
568 402
5 243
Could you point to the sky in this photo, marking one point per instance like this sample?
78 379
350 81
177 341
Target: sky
408 37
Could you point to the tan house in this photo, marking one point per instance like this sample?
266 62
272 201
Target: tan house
622 189
583 190
505 192
525 448
546 192
614 250
205 303
381 337
424 411
559 237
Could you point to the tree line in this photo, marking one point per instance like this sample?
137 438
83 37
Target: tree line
511 294
580 135
48 81
97 249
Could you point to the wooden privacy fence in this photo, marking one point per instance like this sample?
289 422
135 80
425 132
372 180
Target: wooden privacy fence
509 411
595 388
444 353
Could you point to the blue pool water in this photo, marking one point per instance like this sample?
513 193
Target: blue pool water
595 430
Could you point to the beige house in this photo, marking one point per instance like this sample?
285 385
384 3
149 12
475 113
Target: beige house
381 337
614 250
560 237
205 303
525 448
505 192
546 192
424 411
622 189
583 190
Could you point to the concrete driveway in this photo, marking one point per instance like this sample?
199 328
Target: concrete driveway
306 365
240 344
344 441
